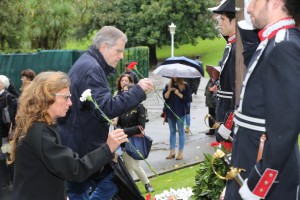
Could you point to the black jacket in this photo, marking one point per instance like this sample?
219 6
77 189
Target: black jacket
12 107
270 93
42 164
129 121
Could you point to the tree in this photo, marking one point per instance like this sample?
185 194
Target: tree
10 26
145 22
47 23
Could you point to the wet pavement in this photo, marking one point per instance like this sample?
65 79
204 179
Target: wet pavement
197 142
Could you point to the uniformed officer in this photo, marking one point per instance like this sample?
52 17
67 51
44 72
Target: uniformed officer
269 104
226 89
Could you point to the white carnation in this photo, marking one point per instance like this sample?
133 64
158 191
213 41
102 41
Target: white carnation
86 95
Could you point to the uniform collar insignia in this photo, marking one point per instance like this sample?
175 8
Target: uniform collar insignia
271 30
232 38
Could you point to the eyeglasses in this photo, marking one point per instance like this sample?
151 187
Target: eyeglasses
118 51
66 96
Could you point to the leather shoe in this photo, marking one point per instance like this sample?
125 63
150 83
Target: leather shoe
149 188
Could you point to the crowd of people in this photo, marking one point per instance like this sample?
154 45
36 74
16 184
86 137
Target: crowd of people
65 147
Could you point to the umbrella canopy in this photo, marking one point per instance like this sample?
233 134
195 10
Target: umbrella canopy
177 70
213 71
186 61
127 188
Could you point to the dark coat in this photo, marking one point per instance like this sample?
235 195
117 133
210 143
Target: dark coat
271 93
209 95
12 107
227 84
130 120
42 164
178 105
84 129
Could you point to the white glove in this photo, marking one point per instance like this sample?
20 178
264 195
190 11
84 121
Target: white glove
246 194
224 132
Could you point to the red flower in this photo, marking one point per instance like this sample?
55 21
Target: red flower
132 65
214 144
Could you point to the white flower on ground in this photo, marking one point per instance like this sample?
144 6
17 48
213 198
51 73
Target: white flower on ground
86 95
180 194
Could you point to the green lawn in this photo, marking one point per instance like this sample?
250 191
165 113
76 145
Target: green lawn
176 180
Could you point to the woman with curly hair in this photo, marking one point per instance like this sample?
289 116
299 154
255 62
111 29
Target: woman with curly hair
42 163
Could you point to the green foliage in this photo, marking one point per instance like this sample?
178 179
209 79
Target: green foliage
138 54
146 22
10 26
48 23
208 185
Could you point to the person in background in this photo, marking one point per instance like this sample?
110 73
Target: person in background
12 89
198 80
176 94
193 90
193 84
133 123
10 101
27 76
210 91
226 89
129 71
84 128
123 80
37 147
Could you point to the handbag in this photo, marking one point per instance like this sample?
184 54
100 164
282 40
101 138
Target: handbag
5 113
141 143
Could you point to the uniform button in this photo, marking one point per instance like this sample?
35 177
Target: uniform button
266 182
261 190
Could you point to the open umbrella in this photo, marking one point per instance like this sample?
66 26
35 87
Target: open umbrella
213 71
184 60
177 70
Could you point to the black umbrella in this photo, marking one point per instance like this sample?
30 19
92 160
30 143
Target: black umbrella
127 188
184 60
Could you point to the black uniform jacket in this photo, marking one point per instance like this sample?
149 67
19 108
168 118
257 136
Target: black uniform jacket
226 89
271 96
42 164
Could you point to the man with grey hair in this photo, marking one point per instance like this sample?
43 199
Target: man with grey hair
84 128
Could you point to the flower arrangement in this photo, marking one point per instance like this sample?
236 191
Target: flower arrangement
180 194
87 96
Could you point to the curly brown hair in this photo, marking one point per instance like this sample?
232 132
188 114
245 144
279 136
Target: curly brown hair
34 103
